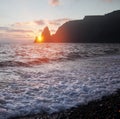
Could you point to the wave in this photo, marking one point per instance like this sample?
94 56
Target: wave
27 64
12 64
58 87
61 56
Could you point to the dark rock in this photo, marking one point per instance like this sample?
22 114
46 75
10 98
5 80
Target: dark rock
46 35
92 29
36 39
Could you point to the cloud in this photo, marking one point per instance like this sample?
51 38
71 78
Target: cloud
12 33
24 24
54 2
19 30
40 22
30 29
2 28
8 29
58 22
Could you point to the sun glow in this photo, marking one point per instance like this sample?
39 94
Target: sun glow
39 39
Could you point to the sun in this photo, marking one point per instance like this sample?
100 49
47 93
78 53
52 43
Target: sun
39 39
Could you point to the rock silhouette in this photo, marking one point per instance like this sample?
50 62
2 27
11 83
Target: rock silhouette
92 29
36 39
46 35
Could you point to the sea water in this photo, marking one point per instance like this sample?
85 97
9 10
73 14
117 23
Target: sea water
37 78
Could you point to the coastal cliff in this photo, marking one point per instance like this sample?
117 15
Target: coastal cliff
92 29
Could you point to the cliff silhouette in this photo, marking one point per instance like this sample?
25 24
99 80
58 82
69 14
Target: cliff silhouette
92 29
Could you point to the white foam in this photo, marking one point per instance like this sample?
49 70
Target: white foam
57 86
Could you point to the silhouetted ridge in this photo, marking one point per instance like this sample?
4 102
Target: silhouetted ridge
114 13
97 29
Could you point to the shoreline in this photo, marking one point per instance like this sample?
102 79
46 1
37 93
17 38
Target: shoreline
108 107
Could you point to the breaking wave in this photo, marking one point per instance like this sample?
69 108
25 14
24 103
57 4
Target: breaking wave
21 64
50 78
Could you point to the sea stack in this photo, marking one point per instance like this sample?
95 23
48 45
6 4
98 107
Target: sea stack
36 39
45 36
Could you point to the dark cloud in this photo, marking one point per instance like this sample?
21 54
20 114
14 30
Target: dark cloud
54 2
4 28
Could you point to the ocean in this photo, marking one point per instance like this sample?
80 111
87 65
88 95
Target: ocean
50 77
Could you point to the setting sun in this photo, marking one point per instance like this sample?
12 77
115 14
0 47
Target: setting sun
39 39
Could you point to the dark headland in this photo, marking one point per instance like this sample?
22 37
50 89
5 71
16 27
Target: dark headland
91 29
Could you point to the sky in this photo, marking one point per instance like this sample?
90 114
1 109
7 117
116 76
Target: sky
22 20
